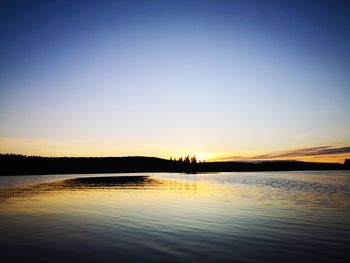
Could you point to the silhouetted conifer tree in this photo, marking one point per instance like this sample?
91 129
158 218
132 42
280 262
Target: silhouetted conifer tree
193 159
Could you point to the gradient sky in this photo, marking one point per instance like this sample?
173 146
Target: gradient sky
222 79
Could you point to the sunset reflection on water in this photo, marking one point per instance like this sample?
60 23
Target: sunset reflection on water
179 218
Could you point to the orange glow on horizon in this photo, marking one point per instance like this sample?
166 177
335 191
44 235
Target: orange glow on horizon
60 148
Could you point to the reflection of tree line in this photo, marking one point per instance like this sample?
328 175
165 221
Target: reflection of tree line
134 181
98 182
19 164
175 185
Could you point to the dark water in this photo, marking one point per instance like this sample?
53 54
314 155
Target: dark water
239 217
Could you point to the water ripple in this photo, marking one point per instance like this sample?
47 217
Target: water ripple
240 217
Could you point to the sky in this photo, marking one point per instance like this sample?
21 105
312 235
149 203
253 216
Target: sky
225 80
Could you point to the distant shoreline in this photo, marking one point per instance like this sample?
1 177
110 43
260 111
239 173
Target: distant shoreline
11 164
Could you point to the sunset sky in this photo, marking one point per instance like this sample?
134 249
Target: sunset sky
226 80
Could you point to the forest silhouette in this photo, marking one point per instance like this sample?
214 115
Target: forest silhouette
12 164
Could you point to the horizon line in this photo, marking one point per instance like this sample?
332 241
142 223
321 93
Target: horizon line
218 160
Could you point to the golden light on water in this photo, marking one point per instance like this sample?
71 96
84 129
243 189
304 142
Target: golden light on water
157 194
166 210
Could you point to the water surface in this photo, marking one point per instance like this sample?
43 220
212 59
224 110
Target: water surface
242 217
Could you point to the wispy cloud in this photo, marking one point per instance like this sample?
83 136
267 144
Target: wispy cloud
297 153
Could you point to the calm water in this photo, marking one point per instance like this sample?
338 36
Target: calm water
242 217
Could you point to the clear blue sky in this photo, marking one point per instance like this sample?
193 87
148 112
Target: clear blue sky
167 78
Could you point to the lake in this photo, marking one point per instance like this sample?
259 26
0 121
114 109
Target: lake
164 217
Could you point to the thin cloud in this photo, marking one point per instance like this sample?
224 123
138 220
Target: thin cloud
314 151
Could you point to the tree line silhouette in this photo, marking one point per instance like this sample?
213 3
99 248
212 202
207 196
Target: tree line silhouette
187 160
12 164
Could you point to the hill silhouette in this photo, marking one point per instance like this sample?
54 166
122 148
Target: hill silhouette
11 164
